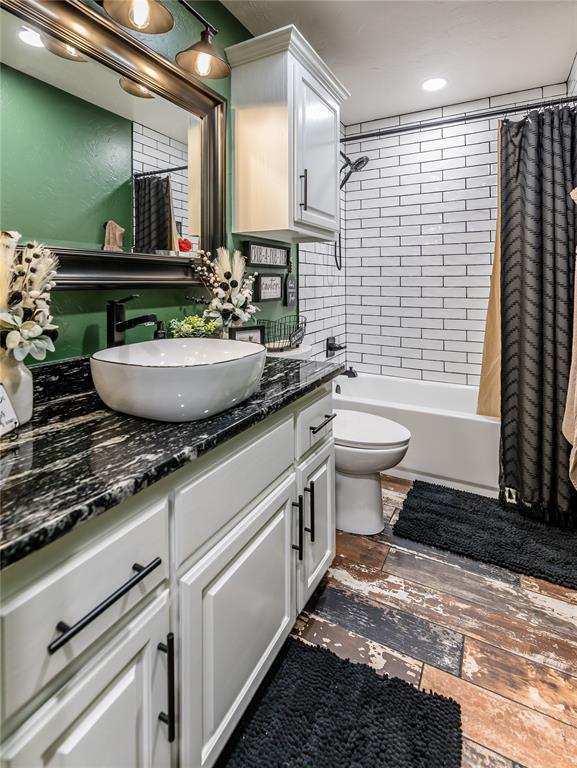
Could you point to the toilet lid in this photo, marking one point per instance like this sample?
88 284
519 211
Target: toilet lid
357 429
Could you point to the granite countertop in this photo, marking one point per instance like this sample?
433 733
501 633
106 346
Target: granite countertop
77 458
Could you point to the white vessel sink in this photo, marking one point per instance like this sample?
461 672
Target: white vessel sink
177 379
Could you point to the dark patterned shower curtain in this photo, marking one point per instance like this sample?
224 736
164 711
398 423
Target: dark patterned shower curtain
538 239
152 214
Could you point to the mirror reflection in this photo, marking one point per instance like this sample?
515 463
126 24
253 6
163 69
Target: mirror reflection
95 161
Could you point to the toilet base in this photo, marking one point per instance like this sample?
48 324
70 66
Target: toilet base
359 503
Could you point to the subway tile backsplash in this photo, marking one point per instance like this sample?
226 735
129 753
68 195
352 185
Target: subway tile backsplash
418 232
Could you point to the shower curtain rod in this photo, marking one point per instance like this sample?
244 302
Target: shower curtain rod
159 170
495 112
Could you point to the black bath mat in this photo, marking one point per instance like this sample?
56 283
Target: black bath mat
315 710
480 528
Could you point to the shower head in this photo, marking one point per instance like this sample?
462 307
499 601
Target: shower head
352 166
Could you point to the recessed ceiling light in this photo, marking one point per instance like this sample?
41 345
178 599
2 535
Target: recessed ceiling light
30 37
434 84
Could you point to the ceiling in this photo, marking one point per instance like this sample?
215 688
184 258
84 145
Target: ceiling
382 50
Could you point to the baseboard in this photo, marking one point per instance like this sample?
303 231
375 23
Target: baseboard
492 493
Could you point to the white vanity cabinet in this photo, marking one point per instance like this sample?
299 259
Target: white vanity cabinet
139 639
285 113
109 714
316 487
236 608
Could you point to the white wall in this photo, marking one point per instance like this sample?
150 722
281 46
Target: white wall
152 150
419 234
572 79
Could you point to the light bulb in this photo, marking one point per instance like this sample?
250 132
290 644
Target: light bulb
203 64
30 37
139 13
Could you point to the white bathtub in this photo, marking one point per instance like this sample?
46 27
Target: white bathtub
450 444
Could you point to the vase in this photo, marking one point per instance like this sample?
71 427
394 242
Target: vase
17 380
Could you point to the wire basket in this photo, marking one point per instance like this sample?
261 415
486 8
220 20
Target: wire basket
285 333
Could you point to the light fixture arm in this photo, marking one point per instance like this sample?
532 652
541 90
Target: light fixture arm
211 28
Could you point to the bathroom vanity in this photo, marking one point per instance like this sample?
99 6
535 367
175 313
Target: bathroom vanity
152 571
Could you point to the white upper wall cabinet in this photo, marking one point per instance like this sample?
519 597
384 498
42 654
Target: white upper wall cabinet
285 112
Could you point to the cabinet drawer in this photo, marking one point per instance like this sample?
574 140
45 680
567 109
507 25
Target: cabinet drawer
310 421
107 715
73 592
208 503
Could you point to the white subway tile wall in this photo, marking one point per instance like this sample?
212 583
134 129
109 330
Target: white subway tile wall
152 150
322 292
418 236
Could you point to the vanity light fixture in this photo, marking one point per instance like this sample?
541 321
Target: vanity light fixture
134 88
63 50
434 84
202 59
30 37
149 16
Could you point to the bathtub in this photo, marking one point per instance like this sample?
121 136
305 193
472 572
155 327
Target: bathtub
450 444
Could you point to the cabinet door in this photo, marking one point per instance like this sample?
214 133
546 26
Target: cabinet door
316 483
107 717
317 142
236 609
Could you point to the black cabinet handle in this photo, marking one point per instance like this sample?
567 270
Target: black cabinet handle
68 632
327 420
311 530
305 177
169 717
300 546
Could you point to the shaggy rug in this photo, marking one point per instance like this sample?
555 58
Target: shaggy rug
479 528
314 710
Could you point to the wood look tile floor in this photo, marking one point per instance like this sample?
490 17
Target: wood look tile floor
504 646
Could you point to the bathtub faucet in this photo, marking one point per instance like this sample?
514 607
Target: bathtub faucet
351 373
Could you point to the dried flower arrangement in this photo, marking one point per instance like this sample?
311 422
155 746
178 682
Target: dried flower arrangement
231 289
26 280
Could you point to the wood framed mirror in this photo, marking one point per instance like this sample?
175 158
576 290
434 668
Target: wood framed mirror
180 125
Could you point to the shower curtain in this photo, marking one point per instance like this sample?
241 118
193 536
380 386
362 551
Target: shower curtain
538 239
154 227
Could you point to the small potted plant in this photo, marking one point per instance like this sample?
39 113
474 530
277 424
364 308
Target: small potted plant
27 278
193 326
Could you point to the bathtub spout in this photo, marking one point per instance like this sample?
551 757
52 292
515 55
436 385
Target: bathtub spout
351 373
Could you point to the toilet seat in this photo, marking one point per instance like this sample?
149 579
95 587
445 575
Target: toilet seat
357 429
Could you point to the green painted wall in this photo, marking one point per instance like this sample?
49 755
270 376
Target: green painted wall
81 314
65 164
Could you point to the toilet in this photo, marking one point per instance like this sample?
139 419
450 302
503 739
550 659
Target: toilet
365 445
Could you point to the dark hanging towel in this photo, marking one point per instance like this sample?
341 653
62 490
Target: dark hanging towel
152 214
538 238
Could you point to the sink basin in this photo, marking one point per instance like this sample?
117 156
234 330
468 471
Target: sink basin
177 379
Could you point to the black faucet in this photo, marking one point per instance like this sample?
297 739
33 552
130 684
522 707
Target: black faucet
351 373
117 324
332 346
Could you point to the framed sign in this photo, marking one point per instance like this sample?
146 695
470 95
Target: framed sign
8 418
258 255
268 288
290 290
254 333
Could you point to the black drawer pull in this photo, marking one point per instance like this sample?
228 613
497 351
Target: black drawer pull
169 718
300 546
311 530
327 420
68 632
